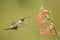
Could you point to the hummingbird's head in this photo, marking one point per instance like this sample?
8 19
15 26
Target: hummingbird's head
22 18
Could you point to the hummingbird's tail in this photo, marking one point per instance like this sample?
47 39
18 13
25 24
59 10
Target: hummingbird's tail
10 29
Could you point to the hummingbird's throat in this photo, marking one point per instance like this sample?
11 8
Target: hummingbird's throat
20 21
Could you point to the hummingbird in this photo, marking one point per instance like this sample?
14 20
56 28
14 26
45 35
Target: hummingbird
16 25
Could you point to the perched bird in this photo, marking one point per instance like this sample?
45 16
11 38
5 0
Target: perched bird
16 25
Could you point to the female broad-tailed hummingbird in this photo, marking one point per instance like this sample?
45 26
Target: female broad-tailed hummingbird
17 24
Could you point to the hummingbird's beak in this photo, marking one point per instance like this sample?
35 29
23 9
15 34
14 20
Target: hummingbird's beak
26 17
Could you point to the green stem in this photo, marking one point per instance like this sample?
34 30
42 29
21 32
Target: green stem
52 21
56 33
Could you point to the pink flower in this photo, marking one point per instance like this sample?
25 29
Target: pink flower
42 14
43 32
45 38
49 27
46 32
45 20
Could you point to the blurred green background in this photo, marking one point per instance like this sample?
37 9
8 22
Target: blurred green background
12 10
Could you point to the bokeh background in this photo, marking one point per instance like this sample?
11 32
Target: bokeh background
12 10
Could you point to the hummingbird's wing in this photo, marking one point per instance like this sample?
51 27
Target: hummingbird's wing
13 23
20 25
